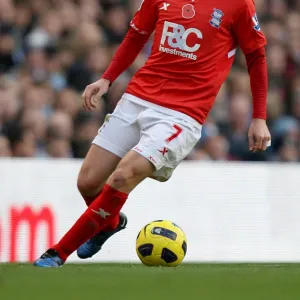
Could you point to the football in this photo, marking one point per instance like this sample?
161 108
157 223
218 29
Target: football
161 243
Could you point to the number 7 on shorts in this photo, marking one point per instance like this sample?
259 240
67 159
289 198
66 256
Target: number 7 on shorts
177 132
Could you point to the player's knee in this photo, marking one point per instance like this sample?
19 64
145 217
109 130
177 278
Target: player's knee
86 185
124 177
120 178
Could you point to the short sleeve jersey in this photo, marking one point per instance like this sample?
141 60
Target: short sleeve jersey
193 50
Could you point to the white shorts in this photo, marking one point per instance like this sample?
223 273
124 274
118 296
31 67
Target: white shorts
163 136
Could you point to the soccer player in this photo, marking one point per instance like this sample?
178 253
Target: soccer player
159 118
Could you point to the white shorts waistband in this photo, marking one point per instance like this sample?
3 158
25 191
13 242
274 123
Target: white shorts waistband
162 109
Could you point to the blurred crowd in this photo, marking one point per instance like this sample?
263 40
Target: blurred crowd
50 50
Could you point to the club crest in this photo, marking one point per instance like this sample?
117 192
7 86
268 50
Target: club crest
216 19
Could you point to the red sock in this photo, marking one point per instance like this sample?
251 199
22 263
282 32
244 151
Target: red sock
90 199
102 212
114 223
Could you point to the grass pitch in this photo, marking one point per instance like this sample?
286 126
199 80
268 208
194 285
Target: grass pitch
136 282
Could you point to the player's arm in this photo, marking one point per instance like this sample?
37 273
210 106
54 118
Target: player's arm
126 54
141 27
252 42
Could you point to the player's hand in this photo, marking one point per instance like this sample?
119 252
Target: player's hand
94 92
259 136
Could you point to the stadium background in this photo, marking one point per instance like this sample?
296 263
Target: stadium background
231 211
50 50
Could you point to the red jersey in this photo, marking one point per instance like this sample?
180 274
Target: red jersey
193 50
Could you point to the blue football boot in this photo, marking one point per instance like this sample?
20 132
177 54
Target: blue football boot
50 259
94 245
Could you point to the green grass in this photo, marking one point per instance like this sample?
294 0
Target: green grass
136 282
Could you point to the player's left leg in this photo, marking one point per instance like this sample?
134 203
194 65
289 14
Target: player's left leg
132 170
98 165
119 133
